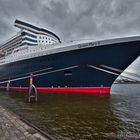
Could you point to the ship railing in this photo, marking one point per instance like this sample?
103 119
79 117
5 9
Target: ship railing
3 57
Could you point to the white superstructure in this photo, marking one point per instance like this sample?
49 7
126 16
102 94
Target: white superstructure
28 35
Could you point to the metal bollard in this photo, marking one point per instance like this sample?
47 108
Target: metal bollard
32 94
8 85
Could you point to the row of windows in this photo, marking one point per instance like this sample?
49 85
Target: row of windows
34 55
12 46
28 39
34 51
11 42
44 37
48 38
28 34
45 41
26 43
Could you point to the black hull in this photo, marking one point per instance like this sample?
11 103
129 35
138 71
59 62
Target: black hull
72 68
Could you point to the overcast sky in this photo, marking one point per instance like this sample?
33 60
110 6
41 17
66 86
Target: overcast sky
73 19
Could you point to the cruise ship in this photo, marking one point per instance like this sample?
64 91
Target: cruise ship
83 63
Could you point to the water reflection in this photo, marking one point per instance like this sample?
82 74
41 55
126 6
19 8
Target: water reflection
125 102
77 117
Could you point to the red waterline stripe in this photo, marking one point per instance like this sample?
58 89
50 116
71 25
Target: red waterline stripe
69 90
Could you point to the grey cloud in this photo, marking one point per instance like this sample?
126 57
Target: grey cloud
73 19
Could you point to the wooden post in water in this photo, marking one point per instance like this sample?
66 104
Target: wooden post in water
32 94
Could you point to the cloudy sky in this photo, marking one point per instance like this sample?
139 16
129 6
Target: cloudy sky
73 19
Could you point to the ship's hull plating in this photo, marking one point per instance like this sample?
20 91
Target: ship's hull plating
77 68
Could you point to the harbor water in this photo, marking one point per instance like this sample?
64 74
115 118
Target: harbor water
81 117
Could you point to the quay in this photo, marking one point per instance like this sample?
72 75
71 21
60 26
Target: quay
13 128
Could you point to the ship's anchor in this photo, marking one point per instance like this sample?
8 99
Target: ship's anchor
32 94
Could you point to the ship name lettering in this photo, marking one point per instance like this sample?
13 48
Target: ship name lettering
91 44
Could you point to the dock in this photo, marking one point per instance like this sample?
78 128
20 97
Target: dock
13 128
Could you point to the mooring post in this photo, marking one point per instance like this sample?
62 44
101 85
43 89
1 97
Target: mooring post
32 94
8 85
101 89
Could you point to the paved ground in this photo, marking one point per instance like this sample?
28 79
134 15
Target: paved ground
12 128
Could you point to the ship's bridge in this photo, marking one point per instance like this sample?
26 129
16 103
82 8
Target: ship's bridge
35 35
28 35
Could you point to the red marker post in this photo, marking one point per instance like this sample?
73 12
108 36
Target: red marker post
32 94
31 79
